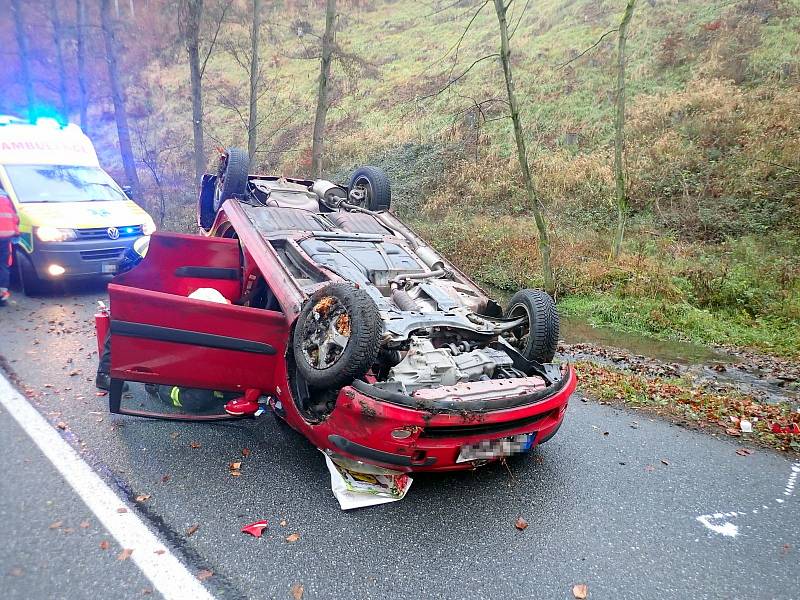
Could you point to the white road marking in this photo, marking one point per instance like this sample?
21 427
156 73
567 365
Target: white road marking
728 529
164 570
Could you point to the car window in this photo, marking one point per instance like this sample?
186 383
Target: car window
62 183
260 295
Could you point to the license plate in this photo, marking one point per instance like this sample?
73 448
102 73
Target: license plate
109 267
489 449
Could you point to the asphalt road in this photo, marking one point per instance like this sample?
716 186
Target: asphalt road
609 504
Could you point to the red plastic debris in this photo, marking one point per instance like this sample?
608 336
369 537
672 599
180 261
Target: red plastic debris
791 428
256 529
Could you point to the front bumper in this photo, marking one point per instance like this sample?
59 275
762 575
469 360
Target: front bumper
361 428
79 258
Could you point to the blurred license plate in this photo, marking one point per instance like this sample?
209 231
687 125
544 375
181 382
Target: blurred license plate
109 267
496 448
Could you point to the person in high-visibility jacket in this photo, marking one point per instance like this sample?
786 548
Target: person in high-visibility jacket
9 229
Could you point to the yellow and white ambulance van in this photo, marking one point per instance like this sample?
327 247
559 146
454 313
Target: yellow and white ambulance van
75 221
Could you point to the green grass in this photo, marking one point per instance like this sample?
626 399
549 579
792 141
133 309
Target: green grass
682 321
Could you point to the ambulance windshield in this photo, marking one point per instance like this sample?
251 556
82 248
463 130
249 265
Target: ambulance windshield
62 183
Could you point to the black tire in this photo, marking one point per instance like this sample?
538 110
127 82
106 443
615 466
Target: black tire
31 283
375 183
231 176
539 339
322 313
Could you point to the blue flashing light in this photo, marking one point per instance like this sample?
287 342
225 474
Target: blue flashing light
129 230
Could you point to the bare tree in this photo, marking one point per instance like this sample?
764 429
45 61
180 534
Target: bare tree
522 153
322 94
62 72
117 97
80 33
252 125
620 193
191 27
24 53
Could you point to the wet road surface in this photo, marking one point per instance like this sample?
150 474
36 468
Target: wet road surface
612 501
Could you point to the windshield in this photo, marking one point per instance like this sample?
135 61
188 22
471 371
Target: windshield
62 183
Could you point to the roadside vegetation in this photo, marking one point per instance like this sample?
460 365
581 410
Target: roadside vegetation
680 399
711 155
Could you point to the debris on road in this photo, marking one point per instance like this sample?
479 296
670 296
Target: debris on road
297 591
235 468
125 554
746 426
256 529
205 574
521 524
292 537
744 452
192 530
357 484
580 591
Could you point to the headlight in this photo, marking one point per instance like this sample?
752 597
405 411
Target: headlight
148 227
54 234
141 245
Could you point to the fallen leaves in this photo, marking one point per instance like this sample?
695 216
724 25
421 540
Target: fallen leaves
143 497
521 524
104 545
61 425
235 468
125 554
205 574
165 478
580 591
297 591
85 525
245 452
55 525
256 529
122 510
192 529
744 452
194 445
292 538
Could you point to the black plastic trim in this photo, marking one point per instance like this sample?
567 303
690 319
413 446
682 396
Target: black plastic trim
194 338
208 273
458 405
377 455
448 431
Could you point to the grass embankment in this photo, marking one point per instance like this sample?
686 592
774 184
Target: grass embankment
712 148
680 399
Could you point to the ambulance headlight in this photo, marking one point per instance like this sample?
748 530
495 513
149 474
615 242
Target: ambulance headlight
54 234
149 226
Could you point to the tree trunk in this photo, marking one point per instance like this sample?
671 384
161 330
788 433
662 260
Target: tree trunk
318 138
24 54
120 114
252 126
620 194
62 74
83 96
522 153
195 13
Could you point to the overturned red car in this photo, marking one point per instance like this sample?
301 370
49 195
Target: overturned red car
341 319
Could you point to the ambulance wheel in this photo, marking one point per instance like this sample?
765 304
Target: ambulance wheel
31 283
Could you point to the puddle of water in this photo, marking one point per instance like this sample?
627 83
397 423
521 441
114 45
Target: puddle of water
578 331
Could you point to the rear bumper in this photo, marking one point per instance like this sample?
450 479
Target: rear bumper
361 428
80 258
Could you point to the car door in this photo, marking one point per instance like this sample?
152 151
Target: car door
161 336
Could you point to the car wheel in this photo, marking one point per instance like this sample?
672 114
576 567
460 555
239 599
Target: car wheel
234 165
369 188
337 336
32 284
537 338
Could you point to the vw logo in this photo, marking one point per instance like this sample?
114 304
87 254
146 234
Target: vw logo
113 233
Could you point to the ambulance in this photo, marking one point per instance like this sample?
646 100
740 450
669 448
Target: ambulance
75 221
